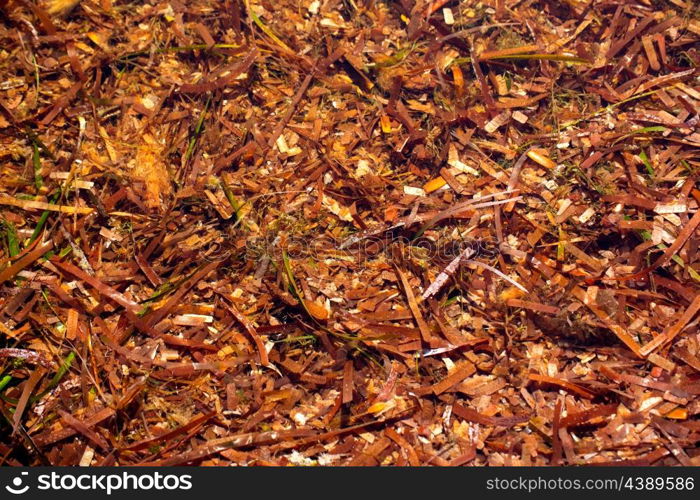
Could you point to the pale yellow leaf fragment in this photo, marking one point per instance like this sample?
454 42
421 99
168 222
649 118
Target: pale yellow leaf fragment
362 169
454 161
108 144
670 208
42 205
447 15
520 117
75 182
694 26
586 215
413 191
336 208
192 319
540 158
497 121
282 144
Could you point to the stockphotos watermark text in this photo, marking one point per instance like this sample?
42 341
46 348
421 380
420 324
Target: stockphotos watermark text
107 483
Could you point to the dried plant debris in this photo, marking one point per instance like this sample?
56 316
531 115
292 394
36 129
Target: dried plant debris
408 232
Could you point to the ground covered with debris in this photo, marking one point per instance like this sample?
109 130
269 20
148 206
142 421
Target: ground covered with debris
347 232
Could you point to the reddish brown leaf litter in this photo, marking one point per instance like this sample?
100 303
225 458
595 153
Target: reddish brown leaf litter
349 233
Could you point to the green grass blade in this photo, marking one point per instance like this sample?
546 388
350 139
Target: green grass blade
12 239
640 131
647 164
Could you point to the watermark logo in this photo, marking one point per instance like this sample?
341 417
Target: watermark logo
16 488
95 482
110 483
